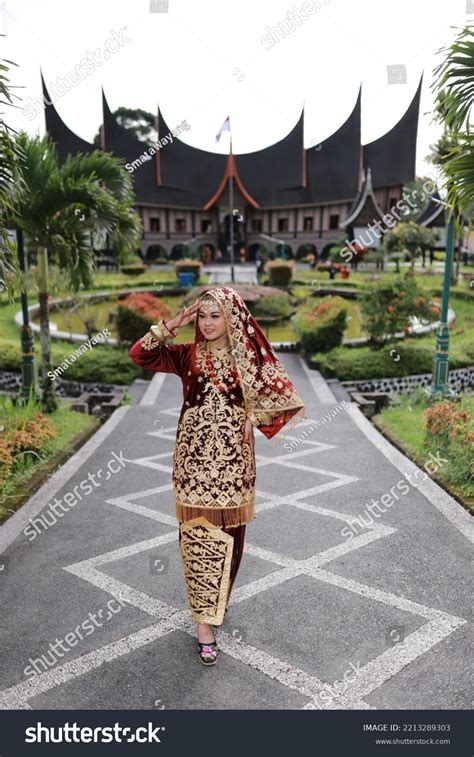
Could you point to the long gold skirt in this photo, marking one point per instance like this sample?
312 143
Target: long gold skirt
211 557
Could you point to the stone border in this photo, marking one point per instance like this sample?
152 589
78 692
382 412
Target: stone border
460 379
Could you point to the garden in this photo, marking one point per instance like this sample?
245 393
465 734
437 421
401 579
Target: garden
373 315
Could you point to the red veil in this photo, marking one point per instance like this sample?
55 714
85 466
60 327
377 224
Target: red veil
270 397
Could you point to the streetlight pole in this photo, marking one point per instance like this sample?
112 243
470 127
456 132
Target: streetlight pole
440 386
231 203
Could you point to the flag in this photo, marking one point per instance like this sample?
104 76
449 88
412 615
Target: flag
225 127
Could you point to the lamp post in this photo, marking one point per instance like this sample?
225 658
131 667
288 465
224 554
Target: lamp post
440 386
231 203
27 340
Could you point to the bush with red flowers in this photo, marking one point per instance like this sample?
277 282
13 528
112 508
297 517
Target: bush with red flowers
23 435
321 327
449 429
137 312
388 307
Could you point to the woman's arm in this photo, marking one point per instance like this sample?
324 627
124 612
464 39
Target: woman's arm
152 353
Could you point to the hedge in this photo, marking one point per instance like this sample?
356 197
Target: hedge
102 364
321 327
358 363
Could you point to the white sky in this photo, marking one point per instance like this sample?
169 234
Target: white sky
203 60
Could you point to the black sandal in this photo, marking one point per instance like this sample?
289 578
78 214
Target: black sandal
209 652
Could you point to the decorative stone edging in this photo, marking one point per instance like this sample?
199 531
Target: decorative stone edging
11 382
460 379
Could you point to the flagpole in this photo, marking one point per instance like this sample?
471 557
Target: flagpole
231 202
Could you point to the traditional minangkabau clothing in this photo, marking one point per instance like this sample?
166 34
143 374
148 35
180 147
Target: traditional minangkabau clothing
213 469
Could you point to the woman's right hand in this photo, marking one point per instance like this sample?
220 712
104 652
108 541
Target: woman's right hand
184 317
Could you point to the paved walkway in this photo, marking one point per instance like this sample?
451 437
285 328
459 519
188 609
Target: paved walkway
325 613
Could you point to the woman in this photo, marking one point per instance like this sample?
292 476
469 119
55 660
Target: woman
232 381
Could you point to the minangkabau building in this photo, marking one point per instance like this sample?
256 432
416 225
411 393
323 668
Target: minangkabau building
284 194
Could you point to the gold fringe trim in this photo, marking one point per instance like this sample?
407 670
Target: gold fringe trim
223 517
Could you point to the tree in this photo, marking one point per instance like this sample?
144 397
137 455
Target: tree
58 209
410 237
10 185
139 122
388 308
415 190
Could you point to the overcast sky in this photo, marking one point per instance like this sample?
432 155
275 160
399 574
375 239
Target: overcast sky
201 60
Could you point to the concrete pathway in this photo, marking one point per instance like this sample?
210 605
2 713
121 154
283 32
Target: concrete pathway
327 611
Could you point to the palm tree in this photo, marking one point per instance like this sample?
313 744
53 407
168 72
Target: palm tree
59 208
10 184
454 87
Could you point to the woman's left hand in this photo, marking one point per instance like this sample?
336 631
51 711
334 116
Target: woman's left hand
248 434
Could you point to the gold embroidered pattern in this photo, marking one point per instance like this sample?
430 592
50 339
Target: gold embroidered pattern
149 341
157 335
212 467
206 552
273 375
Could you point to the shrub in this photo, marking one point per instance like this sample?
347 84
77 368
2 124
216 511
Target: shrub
27 430
449 429
321 328
10 356
186 265
137 312
103 365
133 269
280 272
359 363
271 306
388 307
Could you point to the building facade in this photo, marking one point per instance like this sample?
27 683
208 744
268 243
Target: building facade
282 195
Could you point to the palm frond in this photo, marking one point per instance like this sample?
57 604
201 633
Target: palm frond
454 80
104 167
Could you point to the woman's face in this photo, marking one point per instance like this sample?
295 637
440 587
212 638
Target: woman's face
211 320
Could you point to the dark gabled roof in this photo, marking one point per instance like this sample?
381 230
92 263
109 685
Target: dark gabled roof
333 171
275 175
65 140
287 174
188 174
365 207
281 175
392 157
176 174
434 213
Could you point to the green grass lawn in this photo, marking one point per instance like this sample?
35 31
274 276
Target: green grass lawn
404 423
68 424
156 277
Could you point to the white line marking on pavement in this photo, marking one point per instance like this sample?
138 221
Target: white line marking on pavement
149 398
323 392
